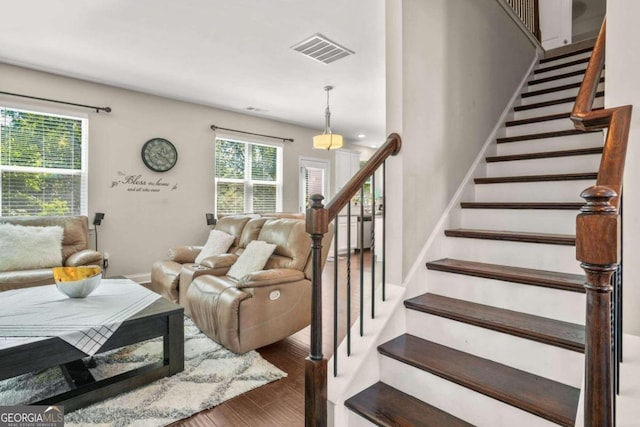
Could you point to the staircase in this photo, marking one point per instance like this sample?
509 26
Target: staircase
498 339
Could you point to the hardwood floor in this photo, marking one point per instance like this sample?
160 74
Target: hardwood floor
281 403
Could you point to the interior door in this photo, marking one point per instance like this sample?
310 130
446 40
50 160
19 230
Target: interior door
314 179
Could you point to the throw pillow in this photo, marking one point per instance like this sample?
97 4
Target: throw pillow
218 243
25 248
254 257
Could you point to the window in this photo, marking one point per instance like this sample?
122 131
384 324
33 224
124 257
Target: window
248 177
43 164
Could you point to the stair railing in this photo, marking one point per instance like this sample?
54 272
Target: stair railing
317 224
598 243
529 13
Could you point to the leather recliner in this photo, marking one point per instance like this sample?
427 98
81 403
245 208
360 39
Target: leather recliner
265 306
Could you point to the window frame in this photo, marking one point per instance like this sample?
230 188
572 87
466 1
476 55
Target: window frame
83 172
247 182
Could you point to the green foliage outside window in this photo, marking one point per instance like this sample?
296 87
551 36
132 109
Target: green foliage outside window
246 177
29 141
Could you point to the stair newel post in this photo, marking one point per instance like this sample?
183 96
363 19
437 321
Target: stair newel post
597 248
317 225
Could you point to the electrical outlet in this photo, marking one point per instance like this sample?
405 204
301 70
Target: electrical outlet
105 260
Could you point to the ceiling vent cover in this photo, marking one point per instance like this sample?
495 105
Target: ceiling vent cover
322 49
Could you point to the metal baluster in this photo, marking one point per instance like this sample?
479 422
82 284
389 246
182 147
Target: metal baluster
349 279
335 298
384 231
372 250
361 242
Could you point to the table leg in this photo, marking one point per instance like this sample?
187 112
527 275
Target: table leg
174 344
76 374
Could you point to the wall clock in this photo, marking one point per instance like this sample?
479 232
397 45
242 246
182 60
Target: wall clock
159 155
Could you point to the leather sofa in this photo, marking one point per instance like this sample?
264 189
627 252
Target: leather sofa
180 265
75 250
262 307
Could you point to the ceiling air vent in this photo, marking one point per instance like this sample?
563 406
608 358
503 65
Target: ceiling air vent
322 49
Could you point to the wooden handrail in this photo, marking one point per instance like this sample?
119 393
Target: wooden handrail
598 237
391 147
317 225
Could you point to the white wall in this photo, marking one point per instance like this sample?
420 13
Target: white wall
623 88
452 66
139 227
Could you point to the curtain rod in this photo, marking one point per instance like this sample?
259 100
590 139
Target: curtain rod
215 128
98 109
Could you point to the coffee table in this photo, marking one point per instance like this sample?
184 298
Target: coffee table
162 318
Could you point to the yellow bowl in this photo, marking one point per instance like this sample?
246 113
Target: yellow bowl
77 282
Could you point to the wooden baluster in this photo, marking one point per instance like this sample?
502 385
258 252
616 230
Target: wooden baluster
597 248
315 377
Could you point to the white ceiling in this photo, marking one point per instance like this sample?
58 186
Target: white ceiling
231 54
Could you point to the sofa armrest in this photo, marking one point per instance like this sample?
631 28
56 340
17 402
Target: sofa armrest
274 276
184 254
84 257
220 261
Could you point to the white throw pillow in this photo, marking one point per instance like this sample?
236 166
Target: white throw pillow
254 257
25 248
218 243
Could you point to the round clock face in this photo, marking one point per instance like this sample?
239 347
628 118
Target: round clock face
159 154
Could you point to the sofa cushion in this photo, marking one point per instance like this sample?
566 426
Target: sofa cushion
253 258
233 225
218 243
293 243
23 248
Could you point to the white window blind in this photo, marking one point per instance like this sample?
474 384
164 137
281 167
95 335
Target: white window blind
314 182
248 177
43 164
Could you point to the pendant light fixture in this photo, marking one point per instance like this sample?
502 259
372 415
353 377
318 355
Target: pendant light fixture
328 140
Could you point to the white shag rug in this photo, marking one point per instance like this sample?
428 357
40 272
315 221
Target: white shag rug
212 374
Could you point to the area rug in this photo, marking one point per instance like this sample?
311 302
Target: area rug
212 374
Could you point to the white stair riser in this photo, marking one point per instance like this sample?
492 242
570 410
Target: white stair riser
539 127
459 401
551 165
556 304
567 59
554 83
547 191
562 70
355 420
570 142
552 109
554 95
534 220
550 362
540 256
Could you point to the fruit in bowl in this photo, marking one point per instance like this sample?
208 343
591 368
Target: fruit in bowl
77 282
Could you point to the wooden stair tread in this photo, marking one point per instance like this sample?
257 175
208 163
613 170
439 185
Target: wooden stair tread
541 135
550 103
566 55
537 178
522 205
537 395
384 405
545 154
556 77
548 331
555 89
527 276
513 236
538 119
542 70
